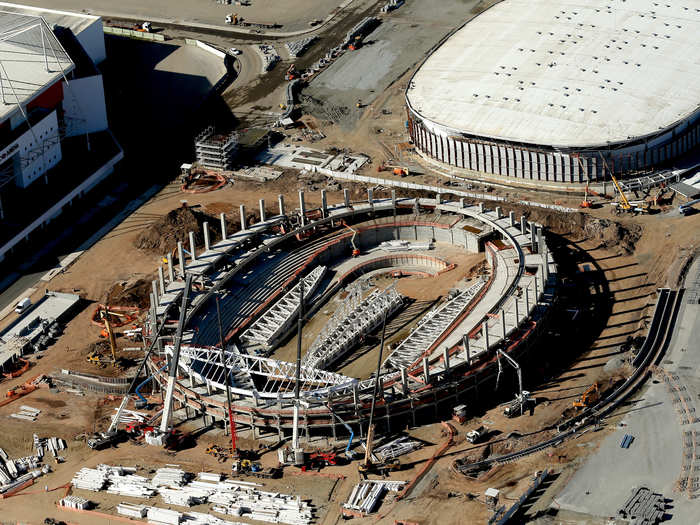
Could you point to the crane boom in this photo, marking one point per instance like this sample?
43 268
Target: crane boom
172 375
517 369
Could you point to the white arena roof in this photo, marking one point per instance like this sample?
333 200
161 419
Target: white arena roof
565 73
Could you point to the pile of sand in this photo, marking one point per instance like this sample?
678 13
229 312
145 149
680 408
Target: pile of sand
134 292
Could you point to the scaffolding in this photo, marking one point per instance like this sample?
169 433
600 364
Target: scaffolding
216 151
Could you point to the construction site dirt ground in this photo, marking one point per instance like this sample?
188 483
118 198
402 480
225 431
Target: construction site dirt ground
658 260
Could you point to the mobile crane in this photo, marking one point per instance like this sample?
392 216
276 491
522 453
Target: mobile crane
369 463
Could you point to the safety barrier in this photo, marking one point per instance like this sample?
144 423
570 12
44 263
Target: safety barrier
142 35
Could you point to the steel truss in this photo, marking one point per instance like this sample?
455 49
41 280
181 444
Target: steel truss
431 327
274 323
355 321
254 376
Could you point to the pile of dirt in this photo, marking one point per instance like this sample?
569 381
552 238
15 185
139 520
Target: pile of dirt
163 235
134 292
613 234
609 233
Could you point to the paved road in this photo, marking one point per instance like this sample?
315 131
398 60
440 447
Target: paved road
604 482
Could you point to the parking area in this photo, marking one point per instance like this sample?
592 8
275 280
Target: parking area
400 42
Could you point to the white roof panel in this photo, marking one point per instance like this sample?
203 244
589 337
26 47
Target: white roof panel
565 73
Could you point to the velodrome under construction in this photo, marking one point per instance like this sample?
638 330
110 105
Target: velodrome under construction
255 275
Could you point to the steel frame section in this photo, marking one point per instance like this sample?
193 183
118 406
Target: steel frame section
275 321
331 345
429 330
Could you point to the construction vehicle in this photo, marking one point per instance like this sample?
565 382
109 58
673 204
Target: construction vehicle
292 73
356 43
474 436
318 460
522 399
112 435
161 436
400 171
371 463
22 390
589 398
95 356
253 468
355 249
232 19
585 203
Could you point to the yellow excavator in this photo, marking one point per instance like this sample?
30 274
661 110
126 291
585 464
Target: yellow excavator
590 397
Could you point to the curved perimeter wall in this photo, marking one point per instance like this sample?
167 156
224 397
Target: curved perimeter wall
543 163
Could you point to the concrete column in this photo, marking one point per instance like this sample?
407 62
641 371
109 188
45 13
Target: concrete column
545 266
485 328
346 198
223 226
446 358
370 197
404 381
544 280
244 224
161 279
517 313
324 204
261 203
280 203
207 244
193 253
523 225
537 292
533 241
171 270
481 207
426 371
181 257
540 239
465 344
438 198
503 322
527 301
511 215
302 208
498 212
393 198
154 284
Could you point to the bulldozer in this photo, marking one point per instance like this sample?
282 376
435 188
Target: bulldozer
589 398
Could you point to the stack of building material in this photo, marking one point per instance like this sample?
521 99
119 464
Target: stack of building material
210 476
90 479
131 485
185 496
163 516
255 504
366 495
298 47
268 55
74 502
169 477
133 511
396 448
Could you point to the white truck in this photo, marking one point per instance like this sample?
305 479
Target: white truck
474 436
